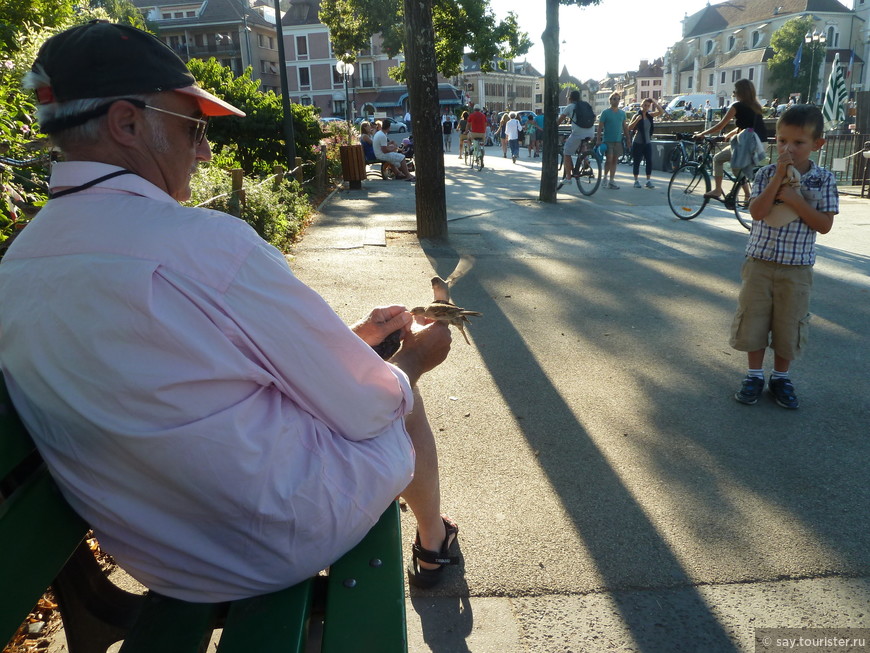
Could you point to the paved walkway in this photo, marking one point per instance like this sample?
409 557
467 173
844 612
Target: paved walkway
611 494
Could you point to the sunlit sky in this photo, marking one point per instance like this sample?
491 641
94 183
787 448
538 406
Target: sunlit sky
611 37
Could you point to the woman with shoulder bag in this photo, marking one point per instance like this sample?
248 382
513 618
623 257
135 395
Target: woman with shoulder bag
748 114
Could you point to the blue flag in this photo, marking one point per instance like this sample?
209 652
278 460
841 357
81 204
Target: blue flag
797 59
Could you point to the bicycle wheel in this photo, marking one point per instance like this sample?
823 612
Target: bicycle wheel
734 201
467 154
675 160
686 191
742 214
587 173
478 158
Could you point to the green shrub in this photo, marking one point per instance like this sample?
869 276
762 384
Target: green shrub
278 216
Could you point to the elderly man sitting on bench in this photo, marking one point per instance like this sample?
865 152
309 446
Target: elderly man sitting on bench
213 420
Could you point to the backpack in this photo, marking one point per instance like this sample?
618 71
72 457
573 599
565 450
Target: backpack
583 116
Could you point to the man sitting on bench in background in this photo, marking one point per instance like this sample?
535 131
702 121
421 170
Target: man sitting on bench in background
213 420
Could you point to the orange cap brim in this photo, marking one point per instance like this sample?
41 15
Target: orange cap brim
209 104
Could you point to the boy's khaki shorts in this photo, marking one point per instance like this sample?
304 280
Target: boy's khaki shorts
774 300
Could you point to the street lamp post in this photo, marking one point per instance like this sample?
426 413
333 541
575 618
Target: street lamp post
345 69
811 40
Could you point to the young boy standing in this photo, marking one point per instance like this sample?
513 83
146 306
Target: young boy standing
778 271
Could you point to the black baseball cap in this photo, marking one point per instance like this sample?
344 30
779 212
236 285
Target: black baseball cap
101 59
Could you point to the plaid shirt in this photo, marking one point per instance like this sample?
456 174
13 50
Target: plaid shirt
794 243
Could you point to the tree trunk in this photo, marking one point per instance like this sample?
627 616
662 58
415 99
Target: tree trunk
422 77
550 149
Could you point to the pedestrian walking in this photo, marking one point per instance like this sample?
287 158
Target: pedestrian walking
512 131
447 129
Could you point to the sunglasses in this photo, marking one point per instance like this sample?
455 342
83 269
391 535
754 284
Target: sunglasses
198 132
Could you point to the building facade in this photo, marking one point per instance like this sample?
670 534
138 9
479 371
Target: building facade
731 40
314 80
237 33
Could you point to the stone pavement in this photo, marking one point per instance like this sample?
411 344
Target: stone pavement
611 494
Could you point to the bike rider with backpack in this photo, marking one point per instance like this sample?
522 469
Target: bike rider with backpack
582 118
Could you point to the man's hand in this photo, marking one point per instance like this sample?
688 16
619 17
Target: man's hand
381 322
423 349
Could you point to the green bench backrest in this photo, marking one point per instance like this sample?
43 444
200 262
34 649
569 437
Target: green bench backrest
38 529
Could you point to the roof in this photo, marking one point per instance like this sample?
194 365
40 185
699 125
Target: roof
714 18
212 11
748 57
302 12
845 54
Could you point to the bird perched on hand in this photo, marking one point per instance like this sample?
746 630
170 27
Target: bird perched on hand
446 312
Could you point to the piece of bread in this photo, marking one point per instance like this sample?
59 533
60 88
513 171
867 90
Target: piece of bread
781 214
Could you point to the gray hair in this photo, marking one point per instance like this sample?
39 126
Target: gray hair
90 132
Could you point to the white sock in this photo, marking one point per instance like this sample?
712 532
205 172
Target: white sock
758 374
778 375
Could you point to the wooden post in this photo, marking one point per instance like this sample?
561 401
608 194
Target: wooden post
278 171
297 165
237 196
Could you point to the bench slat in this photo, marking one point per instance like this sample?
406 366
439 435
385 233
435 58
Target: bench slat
15 442
38 533
168 625
278 621
375 622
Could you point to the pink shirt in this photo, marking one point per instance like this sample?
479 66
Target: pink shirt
208 414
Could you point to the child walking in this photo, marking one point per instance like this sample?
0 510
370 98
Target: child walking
773 306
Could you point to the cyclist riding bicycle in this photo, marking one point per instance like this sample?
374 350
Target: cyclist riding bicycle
477 127
578 113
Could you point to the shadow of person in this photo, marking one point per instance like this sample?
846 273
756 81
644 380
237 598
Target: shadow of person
446 617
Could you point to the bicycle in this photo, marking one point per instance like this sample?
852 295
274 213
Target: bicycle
691 181
687 151
475 153
587 167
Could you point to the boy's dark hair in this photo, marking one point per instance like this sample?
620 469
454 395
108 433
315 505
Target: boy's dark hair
574 96
804 115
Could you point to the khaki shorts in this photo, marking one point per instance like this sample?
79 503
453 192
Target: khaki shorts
614 149
773 308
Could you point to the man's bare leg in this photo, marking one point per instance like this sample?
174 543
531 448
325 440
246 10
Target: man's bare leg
423 494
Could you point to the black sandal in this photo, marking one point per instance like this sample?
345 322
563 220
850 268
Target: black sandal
426 578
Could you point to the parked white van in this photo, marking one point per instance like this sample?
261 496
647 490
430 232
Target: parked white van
698 100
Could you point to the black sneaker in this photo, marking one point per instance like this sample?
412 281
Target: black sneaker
750 390
561 183
783 393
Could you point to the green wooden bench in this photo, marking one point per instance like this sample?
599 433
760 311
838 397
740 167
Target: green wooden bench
358 605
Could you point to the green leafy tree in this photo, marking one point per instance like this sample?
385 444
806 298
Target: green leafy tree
785 42
550 150
255 142
458 25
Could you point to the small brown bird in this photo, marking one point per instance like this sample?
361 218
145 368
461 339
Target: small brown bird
446 312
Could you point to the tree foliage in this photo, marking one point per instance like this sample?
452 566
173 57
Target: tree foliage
458 24
254 142
785 43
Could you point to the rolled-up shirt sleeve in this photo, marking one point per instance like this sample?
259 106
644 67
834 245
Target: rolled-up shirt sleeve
313 357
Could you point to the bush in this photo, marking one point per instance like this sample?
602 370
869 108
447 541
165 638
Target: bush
278 216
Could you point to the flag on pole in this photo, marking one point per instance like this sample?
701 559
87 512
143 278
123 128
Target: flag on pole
851 61
797 59
834 108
